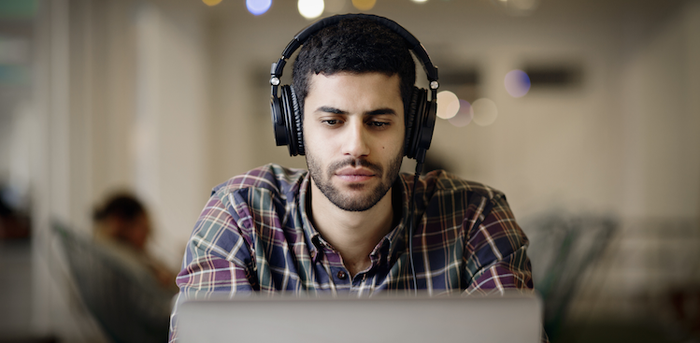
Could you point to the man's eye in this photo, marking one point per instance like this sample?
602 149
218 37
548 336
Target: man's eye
331 122
380 124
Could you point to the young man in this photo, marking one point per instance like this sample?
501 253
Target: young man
342 227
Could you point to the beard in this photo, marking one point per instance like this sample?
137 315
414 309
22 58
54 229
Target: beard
346 200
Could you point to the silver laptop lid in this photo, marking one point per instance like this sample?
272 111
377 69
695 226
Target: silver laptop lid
508 318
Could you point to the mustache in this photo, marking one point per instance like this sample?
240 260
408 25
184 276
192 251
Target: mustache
355 162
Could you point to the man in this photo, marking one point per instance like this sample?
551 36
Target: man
343 227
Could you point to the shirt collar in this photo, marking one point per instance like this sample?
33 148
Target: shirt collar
393 243
313 237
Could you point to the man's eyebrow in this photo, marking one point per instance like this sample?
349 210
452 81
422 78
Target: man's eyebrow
377 112
328 109
381 111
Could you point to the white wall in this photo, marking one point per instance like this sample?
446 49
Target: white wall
659 246
169 129
120 102
662 120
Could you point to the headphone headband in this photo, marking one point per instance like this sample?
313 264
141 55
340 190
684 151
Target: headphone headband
301 37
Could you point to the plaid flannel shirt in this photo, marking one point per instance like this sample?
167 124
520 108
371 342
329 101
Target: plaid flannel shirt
254 235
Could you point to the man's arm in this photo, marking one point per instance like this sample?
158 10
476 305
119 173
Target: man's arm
495 252
215 259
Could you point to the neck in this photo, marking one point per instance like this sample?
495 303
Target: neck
353 234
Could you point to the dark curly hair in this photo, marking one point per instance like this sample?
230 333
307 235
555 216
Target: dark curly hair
356 45
122 205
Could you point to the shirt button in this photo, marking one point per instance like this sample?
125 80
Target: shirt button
342 275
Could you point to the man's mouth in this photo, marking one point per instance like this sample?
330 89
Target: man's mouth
351 174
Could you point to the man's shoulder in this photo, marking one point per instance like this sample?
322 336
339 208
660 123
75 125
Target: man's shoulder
440 181
270 177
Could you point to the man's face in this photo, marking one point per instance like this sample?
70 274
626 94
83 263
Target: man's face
353 136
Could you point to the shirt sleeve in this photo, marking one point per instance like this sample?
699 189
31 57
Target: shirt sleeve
217 259
495 251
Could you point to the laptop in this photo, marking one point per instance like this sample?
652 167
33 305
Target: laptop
487 319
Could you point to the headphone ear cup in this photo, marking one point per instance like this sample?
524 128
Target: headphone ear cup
291 120
278 124
427 126
414 120
298 122
409 119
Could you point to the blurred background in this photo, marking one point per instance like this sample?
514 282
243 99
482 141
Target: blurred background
586 113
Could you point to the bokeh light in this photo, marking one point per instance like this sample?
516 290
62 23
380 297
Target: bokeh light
448 104
517 7
517 83
485 112
524 5
419 1
211 2
364 5
335 6
464 116
258 7
452 109
310 9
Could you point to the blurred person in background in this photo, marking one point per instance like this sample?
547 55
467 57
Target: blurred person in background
122 225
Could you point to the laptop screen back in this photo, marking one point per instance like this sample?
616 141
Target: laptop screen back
510 318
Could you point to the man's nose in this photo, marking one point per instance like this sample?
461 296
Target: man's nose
355 142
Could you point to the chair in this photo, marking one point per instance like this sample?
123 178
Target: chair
561 249
130 306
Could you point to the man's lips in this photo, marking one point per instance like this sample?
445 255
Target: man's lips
355 174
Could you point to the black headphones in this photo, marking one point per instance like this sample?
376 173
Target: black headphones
420 116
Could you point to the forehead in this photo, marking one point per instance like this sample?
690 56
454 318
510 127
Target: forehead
359 91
